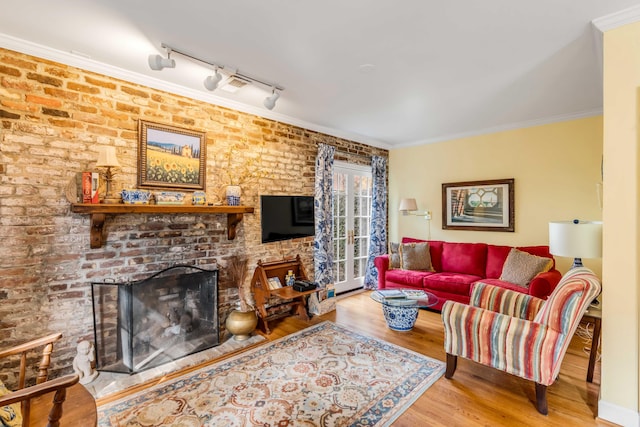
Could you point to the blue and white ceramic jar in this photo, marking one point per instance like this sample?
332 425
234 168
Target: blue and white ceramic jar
233 195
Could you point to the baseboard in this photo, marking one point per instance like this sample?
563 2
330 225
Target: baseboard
618 415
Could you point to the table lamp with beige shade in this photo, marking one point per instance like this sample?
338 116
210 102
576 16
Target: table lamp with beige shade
107 159
576 239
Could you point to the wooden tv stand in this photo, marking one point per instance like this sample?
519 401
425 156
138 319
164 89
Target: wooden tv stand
287 296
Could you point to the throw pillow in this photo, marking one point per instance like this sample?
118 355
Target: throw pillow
10 415
415 256
520 267
394 255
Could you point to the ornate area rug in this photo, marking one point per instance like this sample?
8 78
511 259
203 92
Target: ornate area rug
324 375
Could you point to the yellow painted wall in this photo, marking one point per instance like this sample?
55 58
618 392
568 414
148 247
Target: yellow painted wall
556 168
620 337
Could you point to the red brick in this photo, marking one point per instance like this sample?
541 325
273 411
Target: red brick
82 88
47 80
98 82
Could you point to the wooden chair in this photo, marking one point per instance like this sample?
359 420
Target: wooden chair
45 399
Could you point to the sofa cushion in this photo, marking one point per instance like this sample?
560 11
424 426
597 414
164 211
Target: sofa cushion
455 283
394 255
415 256
410 278
435 249
520 267
496 256
466 258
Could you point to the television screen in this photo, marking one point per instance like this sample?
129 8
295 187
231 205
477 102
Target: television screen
286 217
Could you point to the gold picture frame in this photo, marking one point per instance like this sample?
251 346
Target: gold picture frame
170 157
479 205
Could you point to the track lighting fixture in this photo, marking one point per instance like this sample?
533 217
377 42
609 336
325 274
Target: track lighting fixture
212 82
270 101
158 62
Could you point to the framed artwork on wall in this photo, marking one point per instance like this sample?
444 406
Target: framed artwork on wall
479 205
170 157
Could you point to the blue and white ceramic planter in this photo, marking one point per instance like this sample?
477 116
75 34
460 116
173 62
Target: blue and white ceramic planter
169 198
135 197
400 318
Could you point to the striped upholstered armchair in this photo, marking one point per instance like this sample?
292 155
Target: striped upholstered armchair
518 333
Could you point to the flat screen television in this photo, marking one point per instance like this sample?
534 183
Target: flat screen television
286 217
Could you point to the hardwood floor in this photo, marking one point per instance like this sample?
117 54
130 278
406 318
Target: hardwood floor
477 395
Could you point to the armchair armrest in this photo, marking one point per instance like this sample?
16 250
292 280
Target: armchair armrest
543 284
23 349
382 264
39 389
505 301
517 346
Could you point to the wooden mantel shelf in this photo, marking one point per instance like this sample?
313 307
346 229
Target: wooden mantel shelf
99 211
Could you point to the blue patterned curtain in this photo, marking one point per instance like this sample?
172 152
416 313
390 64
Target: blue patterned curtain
378 228
323 243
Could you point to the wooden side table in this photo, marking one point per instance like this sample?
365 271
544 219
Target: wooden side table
593 314
295 301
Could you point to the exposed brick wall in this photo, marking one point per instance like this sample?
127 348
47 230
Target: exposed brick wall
53 119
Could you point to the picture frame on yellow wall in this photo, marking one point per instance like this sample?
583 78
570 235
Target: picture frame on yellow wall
479 205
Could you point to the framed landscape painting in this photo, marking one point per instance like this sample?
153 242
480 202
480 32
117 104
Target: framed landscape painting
170 157
478 205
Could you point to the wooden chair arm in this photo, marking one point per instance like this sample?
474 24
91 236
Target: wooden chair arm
38 390
30 345
22 349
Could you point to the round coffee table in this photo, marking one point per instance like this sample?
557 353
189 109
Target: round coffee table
401 312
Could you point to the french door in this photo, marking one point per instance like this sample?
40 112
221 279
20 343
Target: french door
351 218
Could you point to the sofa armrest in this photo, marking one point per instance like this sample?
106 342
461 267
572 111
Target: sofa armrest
505 301
382 264
502 341
543 284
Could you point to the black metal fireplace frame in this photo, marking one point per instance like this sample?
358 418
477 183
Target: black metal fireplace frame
129 285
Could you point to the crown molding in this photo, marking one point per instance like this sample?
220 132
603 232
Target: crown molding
506 127
83 62
617 19
609 22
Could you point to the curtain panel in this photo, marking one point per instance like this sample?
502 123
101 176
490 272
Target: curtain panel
323 213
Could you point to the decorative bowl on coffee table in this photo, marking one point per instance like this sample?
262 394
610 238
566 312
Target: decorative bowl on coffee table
400 308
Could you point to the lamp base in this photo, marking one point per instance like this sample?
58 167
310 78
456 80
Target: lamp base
111 200
577 262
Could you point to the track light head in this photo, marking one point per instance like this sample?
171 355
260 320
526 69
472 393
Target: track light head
158 62
270 101
211 82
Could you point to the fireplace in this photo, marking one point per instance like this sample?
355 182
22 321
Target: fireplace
143 324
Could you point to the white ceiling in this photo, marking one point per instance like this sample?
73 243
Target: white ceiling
433 69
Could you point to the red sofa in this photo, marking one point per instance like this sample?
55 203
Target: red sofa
459 265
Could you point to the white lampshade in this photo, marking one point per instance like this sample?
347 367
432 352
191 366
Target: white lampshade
107 157
576 239
408 205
